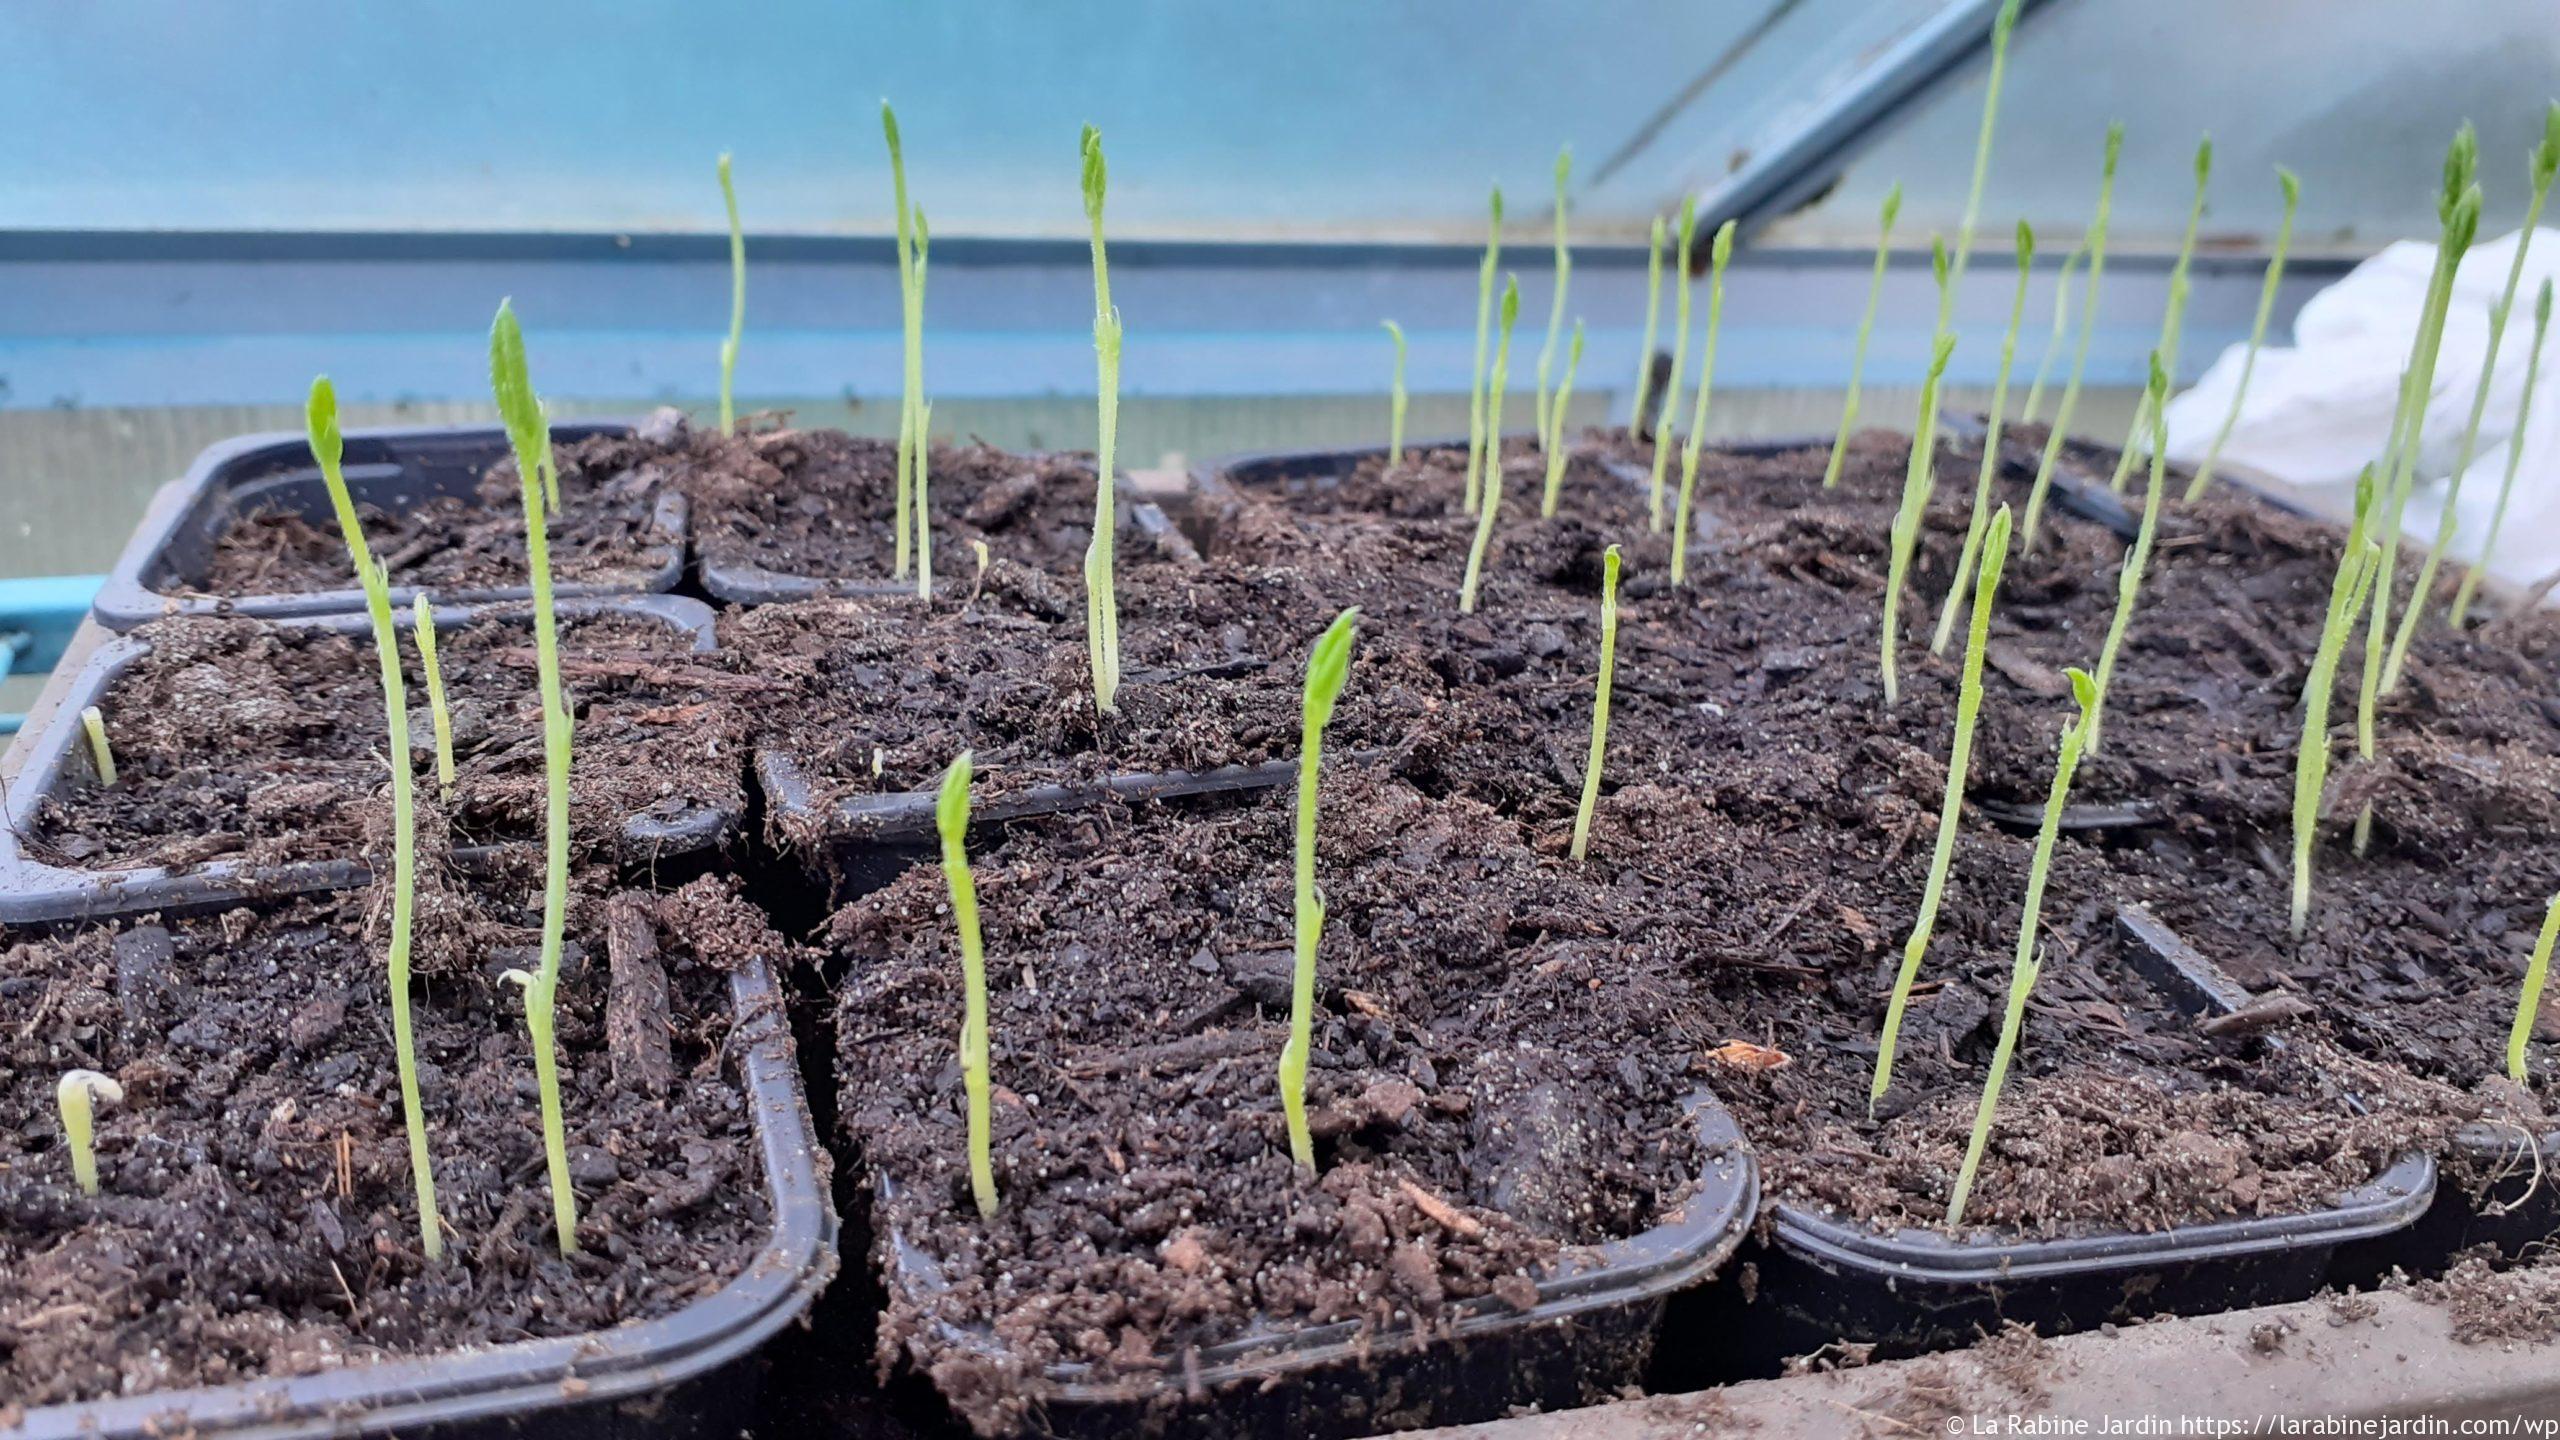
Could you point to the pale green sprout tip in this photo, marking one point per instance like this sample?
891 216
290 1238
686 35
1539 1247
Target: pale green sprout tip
951 822
1491 500
1609 566
93 723
1328 668
78 1095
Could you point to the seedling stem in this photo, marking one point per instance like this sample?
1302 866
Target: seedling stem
1609 563
1327 669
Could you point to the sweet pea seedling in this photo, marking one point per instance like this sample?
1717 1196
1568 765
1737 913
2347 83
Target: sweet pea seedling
1395 399
1719 252
2070 401
1491 500
1609 564
1555 440
1652 318
79 1092
2357 562
2292 187
1866 327
1551 425
2529 1004
1484 329
2154 407
737 303
2172 321
2470 586
93 723
907 516
1327 670
951 819
1919 477
1981 510
2061 329
1102 598
924 531
423 626
2003 25
1662 425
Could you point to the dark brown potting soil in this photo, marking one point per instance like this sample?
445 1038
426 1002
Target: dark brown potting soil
256 1215
236 740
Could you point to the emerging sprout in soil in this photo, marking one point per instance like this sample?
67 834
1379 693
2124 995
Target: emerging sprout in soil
328 447
2529 1004
1492 498
2172 325
2257 332
1652 317
93 723
2515 456
2053 342
1866 327
77 1096
910 223
2024 966
423 617
1609 564
1551 426
2356 565
1484 327
1981 511
1327 668
1662 423
2154 407
951 818
2070 401
1918 479
737 302
924 462
1555 437
1395 399
1718 254
2002 25
530 435
1102 599
2545 165
1995 556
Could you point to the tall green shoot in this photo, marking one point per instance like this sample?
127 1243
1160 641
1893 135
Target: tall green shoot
2070 401
2024 966
422 625
1327 669
1652 319
903 515
924 531
2292 185
1555 443
2061 329
2357 562
1395 399
951 820
529 433
1551 425
76 1095
1719 253
1609 565
737 302
1866 327
1102 599
1919 478
1662 425
2172 325
2470 587
328 448
93 724
1484 326
2537 970
1492 498
2154 406
2002 26
1995 557
1981 511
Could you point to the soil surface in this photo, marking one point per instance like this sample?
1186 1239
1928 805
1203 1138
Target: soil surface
236 740
256 1216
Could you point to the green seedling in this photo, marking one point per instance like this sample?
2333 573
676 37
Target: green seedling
2155 402
1995 557
737 303
1492 498
1476 440
1555 441
905 517
78 1095
529 433
423 626
1866 327
2529 1004
93 723
1919 478
1327 669
2053 342
1609 564
924 531
328 448
1551 426
1395 399
2292 185
2070 401
1662 424
1981 511
2024 967
2545 165
2172 325
951 818
1718 254
2470 586
1652 317
2002 26
2357 563
1102 599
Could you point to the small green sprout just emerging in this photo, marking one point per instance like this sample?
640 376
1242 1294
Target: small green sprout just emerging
2292 186
423 626
1652 320
1476 440
2357 563
924 532
2155 404
1662 425
737 303
2024 967
2470 586
1866 327
529 433
951 818
905 516
1327 669
328 447
1395 399
1609 564
2070 401
93 723
1491 501
1551 425
2003 25
1981 512
1102 599
2172 325
1555 441
2053 342
2529 1004
1718 254
77 1096
1995 556
1919 478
